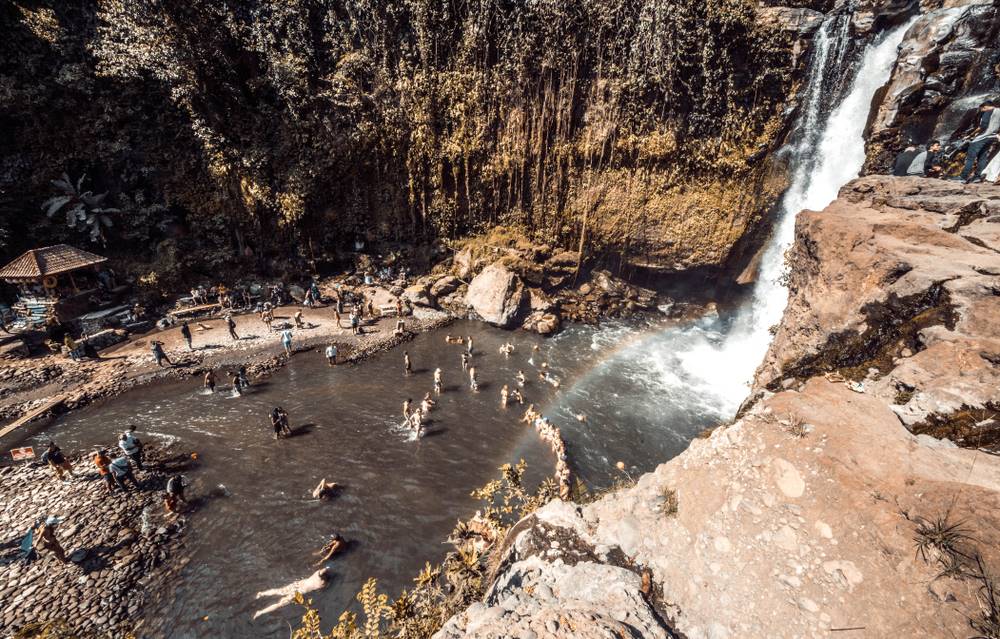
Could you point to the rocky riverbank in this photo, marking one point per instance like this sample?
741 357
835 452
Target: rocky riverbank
122 547
822 508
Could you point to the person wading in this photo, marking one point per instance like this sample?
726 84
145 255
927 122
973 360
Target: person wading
438 384
407 364
209 382
131 446
286 341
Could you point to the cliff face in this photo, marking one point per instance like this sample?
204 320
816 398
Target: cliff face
818 508
230 131
949 62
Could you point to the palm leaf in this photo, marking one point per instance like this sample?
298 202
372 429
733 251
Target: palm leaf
53 204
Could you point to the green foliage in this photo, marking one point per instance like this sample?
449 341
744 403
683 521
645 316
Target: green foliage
84 210
260 123
441 591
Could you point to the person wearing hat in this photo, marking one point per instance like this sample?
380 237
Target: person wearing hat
44 537
101 460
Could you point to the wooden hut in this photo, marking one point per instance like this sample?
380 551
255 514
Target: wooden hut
55 284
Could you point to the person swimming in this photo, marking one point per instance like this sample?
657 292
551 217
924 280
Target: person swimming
521 379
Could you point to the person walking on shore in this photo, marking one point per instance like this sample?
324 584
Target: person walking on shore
44 538
331 354
286 341
355 322
298 319
210 381
122 470
231 325
101 460
407 364
131 446
158 355
438 384
57 461
186 334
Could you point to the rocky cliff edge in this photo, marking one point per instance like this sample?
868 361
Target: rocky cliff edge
818 510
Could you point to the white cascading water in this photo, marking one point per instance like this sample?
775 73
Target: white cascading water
653 392
829 154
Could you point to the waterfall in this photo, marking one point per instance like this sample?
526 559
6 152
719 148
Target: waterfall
829 152
667 386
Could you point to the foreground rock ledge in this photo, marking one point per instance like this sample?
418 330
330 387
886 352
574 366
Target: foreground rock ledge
798 519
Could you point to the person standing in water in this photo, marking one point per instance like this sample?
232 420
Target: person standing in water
286 341
131 446
244 381
438 384
210 381
504 395
231 325
406 409
186 334
426 404
407 364
331 354
465 361
279 422
237 384
520 378
468 345
473 380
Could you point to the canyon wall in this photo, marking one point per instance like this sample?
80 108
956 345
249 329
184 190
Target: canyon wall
235 133
826 505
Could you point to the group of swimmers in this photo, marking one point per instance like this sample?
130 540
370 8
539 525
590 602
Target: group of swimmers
240 381
553 437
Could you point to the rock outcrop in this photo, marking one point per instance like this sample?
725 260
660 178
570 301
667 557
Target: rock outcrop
496 295
809 513
948 63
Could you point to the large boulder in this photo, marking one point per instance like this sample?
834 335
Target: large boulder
418 295
445 286
496 295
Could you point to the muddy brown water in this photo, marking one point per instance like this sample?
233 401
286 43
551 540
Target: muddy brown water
401 497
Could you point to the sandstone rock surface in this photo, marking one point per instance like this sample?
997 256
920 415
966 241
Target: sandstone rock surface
799 518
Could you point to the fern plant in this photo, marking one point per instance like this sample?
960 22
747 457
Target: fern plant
84 210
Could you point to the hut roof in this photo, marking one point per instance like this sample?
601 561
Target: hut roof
51 260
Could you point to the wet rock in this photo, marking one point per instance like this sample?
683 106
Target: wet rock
496 295
542 323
